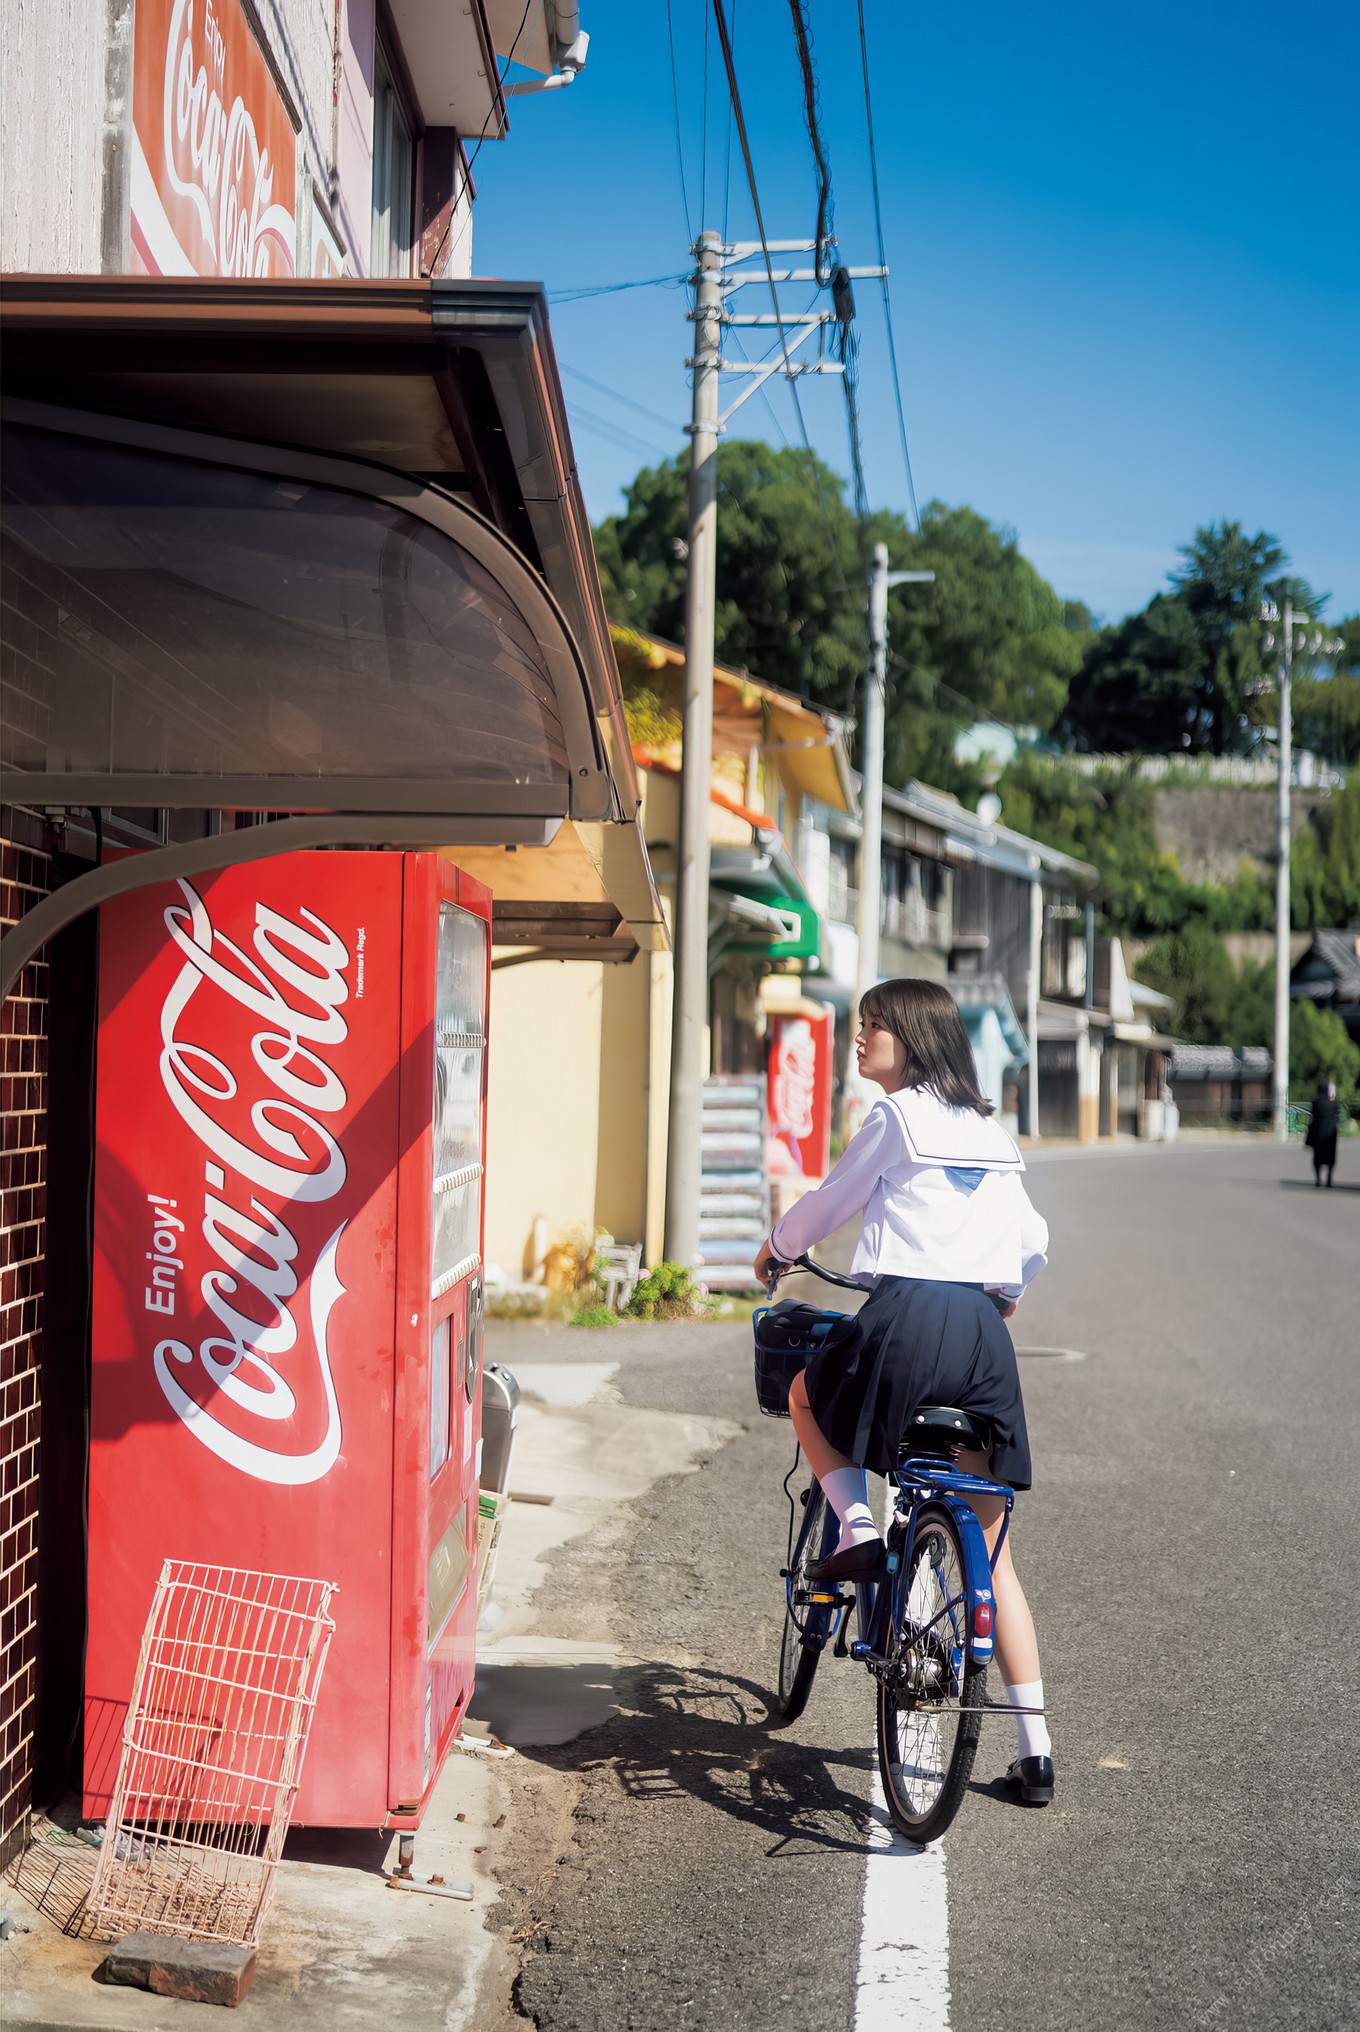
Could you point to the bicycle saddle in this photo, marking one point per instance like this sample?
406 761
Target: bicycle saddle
932 1426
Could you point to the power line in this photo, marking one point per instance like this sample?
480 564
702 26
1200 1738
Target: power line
727 150
574 295
703 159
627 400
734 92
472 159
883 264
626 440
679 145
802 36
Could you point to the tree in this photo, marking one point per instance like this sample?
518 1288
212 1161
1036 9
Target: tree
1319 1049
1193 966
789 603
1190 673
1108 817
989 638
1136 691
1324 864
1223 579
1327 701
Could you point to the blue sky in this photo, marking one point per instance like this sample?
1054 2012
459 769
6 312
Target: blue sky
1125 251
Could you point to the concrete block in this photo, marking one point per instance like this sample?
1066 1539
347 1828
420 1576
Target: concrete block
195 1971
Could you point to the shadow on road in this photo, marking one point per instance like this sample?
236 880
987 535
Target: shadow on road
1306 1185
690 1731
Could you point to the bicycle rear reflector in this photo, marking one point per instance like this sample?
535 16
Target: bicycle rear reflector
983 1616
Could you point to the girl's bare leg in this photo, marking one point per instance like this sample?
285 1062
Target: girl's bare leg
821 1457
1017 1647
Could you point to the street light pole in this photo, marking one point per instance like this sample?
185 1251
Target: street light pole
869 872
684 1147
1280 1080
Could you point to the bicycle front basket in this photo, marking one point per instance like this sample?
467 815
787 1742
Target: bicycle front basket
787 1336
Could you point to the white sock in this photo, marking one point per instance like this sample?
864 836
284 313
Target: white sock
847 1491
1035 1740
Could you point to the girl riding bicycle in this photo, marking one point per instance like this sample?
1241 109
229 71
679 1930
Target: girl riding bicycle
948 1243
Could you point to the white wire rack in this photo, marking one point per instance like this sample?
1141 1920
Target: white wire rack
212 1752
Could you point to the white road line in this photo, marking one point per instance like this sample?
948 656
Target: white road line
902 1984
903 1978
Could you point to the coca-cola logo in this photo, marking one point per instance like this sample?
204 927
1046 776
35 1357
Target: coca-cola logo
794 1085
214 157
259 1392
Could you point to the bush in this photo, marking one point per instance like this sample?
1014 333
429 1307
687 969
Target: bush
668 1292
594 1315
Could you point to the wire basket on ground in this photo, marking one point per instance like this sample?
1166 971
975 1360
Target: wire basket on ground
212 1752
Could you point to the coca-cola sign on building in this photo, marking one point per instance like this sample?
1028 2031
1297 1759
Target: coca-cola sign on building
214 153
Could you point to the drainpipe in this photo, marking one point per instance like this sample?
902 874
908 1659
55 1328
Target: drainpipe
1036 948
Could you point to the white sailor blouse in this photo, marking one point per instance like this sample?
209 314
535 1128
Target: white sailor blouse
941 1194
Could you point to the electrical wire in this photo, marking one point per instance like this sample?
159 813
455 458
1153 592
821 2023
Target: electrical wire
847 343
703 160
498 100
734 92
727 150
679 144
627 400
615 433
613 288
883 264
812 116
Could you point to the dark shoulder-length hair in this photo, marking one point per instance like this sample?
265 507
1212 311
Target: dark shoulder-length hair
924 1018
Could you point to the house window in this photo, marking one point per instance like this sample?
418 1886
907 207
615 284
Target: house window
393 174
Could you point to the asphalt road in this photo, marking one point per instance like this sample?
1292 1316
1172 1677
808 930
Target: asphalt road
1188 1550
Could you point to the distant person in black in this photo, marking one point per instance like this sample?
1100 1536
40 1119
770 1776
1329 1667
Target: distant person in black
1322 1127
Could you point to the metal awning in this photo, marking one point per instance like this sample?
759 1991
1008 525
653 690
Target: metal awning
326 552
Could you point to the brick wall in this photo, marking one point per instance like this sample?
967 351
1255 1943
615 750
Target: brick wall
24 876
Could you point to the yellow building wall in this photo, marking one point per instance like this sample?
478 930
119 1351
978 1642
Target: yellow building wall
543 1107
625 1100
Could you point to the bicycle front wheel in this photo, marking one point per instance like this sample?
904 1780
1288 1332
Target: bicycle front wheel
806 1625
930 1698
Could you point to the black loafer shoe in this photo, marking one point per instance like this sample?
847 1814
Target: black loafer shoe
1032 1778
868 1561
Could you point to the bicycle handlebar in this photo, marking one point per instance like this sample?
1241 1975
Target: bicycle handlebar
818 1270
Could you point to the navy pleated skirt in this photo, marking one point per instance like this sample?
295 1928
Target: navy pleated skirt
918 1342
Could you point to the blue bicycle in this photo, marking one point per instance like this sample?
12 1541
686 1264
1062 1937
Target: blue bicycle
926 1631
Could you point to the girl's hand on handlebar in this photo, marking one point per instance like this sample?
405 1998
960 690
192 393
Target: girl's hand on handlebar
766 1262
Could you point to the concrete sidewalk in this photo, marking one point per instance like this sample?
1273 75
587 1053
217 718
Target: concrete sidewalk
340 1948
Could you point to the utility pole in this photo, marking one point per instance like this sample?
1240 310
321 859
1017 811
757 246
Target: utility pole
1280 1083
869 872
724 268
689 1019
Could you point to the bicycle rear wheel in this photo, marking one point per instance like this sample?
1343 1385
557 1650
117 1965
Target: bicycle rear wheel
807 1625
929 1699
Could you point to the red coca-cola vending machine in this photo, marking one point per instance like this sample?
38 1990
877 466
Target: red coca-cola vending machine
290 1133
798 1137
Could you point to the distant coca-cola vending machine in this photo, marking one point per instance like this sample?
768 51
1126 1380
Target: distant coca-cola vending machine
287 1287
798 1137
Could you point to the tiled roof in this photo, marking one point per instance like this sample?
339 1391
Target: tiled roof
1220 1061
1340 960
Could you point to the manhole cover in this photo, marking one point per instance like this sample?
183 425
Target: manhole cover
1055 1354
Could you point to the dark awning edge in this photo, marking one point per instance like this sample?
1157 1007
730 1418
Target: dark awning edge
476 356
